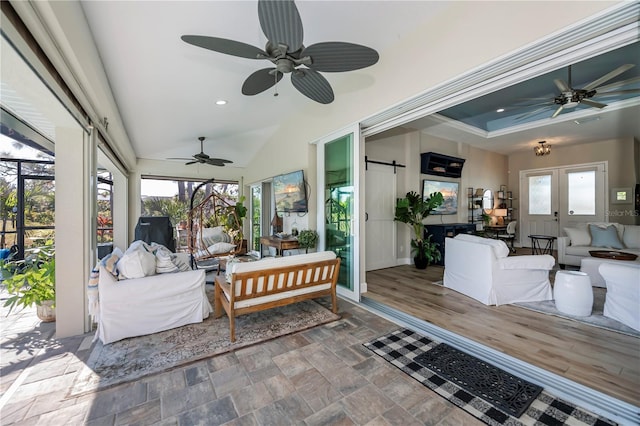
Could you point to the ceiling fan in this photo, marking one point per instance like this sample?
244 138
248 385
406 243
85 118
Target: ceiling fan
570 97
281 24
203 158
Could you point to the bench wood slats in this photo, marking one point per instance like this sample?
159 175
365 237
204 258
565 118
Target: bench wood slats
274 281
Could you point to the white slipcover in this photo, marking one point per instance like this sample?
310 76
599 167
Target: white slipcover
622 302
479 268
147 305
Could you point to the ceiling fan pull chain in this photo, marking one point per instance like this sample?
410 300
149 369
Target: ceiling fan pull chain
275 86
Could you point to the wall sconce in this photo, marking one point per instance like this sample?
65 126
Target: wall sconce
542 149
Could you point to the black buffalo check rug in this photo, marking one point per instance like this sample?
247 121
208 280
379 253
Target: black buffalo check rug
435 365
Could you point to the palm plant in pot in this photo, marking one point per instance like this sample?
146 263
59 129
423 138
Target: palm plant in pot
412 210
33 281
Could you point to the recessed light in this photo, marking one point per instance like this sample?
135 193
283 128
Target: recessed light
500 110
221 102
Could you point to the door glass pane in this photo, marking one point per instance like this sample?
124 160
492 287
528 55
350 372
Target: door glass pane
256 197
39 211
540 195
339 206
581 192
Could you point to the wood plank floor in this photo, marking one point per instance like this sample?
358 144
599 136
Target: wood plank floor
603 360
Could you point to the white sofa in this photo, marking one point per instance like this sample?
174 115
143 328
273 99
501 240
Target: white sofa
480 268
129 307
622 302
577 241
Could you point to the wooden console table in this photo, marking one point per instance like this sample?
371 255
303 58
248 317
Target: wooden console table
279 243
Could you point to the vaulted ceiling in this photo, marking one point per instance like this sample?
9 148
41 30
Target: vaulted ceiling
166 89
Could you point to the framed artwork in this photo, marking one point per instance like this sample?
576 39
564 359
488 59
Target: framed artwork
621 196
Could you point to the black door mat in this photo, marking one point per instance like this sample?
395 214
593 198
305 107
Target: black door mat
505 391
401 347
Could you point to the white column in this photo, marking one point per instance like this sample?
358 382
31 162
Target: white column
74 161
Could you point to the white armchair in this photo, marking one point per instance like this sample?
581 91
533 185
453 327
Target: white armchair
479 268
622 302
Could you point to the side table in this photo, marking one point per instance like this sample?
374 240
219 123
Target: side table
573 293
537 242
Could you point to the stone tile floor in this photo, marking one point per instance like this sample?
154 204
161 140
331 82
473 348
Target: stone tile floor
322 376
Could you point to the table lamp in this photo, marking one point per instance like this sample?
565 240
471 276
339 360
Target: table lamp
500 214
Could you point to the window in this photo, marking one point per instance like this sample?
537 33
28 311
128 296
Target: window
581 192
256 216
540 195
166 197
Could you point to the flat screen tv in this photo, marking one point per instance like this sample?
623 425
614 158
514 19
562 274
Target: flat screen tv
449 191
290 192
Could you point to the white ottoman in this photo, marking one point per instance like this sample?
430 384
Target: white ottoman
573 293
623 293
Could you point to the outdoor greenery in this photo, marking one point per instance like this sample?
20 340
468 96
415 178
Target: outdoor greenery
412 210
32 280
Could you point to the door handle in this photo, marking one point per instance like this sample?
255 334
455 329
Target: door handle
555 215
366 216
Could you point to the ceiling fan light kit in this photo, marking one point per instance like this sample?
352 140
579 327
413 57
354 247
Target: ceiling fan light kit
282 25
542 149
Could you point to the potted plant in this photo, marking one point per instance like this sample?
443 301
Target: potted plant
412 210
33 281
307 239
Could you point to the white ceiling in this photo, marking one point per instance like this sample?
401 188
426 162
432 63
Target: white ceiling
166 89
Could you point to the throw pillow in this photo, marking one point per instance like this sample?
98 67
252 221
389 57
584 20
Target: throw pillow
605 237
180 264
137 262
219 248
578 236
631 237
110 261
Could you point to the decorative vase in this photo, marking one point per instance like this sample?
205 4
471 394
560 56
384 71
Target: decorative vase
46 312
421 262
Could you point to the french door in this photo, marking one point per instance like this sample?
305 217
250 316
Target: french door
338 205
556 198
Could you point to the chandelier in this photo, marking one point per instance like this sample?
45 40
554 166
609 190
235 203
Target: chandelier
542 149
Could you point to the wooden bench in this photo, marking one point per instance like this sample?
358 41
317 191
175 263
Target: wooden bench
269 283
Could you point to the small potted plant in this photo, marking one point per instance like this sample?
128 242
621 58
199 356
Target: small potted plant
33 281
307 239
412 210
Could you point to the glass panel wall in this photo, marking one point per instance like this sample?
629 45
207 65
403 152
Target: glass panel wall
339 205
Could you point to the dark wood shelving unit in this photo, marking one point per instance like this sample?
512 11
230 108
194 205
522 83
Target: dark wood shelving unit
432 163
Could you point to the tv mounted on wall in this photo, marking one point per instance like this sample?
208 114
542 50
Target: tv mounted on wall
290 192
449 191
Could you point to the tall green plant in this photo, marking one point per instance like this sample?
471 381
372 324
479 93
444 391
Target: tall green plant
33 280
412 210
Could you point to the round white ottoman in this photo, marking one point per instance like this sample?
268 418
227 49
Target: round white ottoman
573 293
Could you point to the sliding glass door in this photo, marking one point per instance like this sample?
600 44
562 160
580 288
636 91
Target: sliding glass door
338 199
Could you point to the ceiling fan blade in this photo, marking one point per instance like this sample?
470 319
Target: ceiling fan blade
558 111
260 81
531 113
220 160
281 23
617 84
608 76
335 56
191 162
313 85
562 85
223 45
214 162
617 92
592 103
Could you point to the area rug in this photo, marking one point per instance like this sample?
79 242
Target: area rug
507 392
596 319
133 358
403 346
